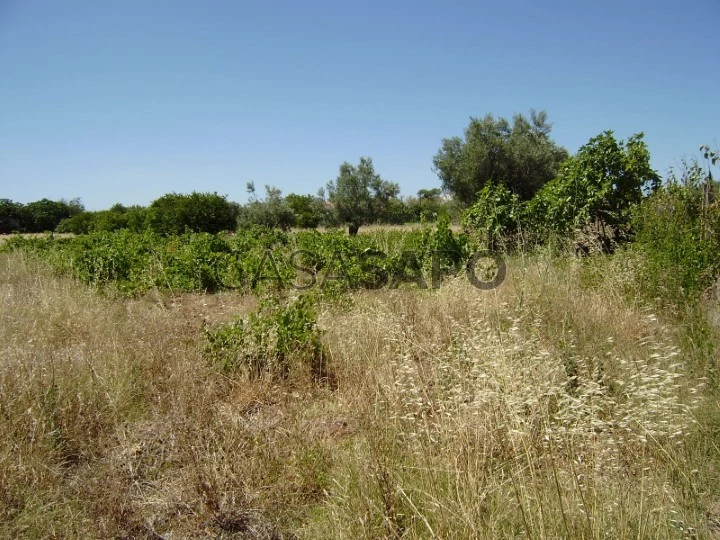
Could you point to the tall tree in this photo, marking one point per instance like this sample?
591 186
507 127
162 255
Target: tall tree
521 156
359 194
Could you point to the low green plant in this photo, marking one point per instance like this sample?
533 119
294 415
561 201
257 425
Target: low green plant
270 341
495 215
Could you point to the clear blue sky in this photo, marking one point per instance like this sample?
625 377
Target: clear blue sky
123 101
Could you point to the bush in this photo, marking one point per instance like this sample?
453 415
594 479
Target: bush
678 229
81 223
270 341
308 210
198 212
596 188
496 214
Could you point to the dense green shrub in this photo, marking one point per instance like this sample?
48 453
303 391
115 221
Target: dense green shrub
597 187
678 230
116 218
496 214
45 215
308 210
197 212
257 259
11 214
36 217
81 223
270 341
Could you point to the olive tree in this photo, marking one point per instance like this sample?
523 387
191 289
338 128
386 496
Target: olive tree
521 156
359 195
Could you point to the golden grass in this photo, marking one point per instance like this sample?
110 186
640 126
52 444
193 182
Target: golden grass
550 407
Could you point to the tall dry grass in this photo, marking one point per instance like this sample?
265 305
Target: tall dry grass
554 406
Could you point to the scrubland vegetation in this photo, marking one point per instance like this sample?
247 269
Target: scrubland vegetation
556 405
165 381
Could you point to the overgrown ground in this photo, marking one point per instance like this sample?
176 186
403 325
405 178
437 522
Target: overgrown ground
554 406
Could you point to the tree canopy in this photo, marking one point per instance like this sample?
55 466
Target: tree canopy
175 213
598 185
521 156
360 195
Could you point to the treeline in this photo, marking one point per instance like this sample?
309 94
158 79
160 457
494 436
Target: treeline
507 182
39 216
175 213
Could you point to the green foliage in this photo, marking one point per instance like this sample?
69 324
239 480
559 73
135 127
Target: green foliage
198 212
308 210
521 156
496 214
193 262
11 214
678 230
136 218
255 259
359 194
596 187
116 218
429 205
81 223
273 212
270 341
45 215
111 220
39 216
441 239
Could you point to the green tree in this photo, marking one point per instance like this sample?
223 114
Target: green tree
308 210
46 215
359 195
82 223
136 218
272 212
429 204
598 186
521 156
176 213
10 216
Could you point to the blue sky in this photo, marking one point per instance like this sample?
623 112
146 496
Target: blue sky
123 101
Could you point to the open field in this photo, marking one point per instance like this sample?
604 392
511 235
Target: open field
6 237
553 406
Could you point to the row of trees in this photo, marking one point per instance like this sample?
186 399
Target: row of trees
520 156
358 196
507 174
39 216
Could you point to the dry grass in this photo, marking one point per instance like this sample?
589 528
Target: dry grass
4 237
546 408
